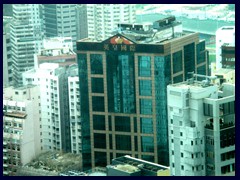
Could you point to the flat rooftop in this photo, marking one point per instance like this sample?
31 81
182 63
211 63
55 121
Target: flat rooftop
126 168
139 164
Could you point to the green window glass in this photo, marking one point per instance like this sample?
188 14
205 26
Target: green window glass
201 53
146 125
145 87
146 106
99 140
122 124
100 159
144 66
98 122
123 142
97 85
147 144
96 64
98 103
177 61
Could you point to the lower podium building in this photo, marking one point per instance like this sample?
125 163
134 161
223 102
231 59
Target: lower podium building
129 166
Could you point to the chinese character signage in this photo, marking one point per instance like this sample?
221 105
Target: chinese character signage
120 43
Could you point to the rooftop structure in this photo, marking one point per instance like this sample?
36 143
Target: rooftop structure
148 33
129 166
56 50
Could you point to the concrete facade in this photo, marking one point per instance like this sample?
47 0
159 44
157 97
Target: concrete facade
26 38
74 112
194 145
21 127
60 20
54 105
102 19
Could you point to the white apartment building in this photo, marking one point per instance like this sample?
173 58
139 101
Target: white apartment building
60 20
224 36
200 140
64 43
74 111
26 38
102 19
21 127
54 105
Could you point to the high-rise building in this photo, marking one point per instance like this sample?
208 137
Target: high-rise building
123 84
82 21
225 47
100 20
74 111
52 81
201 128
7 59
21 127
60 20
26 38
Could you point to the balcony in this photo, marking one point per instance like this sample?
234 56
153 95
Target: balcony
193 162
190 148
191 132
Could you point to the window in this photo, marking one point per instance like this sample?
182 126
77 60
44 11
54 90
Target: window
97 85
98 122
181 154
181 143
96 64
180 123
181 134
146 125
177 61
171 131
182 167
145 87
144 64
